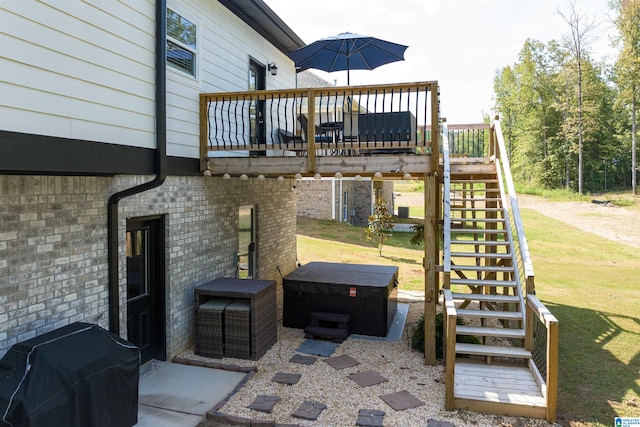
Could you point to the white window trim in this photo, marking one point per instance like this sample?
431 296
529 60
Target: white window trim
179 72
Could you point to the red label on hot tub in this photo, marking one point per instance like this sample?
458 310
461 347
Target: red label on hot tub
352 292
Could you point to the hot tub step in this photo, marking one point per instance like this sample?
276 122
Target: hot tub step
334 334
330 317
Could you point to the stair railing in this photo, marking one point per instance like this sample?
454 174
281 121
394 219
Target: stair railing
450 315
541 327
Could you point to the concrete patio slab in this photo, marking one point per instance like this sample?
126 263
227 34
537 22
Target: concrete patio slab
172 391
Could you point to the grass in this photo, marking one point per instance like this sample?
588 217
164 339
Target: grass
589 283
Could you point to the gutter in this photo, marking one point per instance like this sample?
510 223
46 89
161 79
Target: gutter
160 166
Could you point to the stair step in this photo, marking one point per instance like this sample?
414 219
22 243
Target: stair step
492 350
477 231
336 335
453 208
487 220
330 317
475 199
487 190
495 269
490 332
512 299
484 282
479 242
474 181
490 314
479 255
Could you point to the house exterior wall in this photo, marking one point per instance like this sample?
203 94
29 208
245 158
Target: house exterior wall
53 246
90 75
315 199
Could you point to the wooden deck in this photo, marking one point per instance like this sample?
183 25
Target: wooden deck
497 389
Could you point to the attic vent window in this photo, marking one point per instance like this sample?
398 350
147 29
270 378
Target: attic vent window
181 43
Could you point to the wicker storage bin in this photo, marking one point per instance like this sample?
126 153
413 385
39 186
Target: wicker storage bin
210 328
261 295
237 331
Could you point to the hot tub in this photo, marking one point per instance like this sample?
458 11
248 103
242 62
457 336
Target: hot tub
368 293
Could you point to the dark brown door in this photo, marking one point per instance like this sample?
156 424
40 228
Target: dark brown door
256 110
145 287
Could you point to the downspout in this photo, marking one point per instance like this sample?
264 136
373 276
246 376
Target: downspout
160 163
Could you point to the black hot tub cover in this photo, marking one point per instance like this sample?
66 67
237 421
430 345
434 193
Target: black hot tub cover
77 375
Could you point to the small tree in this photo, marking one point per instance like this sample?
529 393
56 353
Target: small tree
380 224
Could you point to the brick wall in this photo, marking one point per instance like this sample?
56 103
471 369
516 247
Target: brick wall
53 246
314 198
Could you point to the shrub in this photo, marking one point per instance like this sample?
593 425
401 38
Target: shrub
417 338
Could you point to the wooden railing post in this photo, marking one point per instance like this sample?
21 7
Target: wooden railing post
450 321
204 133
311 131
552 370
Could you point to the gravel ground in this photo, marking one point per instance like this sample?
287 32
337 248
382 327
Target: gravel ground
320 382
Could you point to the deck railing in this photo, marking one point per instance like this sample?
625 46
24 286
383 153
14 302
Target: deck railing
339 120
468 140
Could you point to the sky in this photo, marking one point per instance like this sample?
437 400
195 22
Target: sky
459 43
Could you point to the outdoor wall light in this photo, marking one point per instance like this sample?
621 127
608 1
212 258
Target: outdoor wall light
298 176
260 177
226 176
281 178
206 172
244 177
338 175
357 178
407 176
273 69
377 176
317 177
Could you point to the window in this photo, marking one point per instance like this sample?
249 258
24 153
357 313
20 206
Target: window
181 43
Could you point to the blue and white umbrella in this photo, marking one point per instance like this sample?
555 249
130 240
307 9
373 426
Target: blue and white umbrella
347 51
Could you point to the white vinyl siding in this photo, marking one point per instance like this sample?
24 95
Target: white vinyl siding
85 69
76 69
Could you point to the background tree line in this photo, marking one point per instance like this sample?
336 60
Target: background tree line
568 120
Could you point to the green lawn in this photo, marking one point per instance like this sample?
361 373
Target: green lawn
591 284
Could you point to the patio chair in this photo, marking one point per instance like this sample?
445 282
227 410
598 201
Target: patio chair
320 135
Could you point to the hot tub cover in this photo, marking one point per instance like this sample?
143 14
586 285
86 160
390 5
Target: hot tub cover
77 375
371 281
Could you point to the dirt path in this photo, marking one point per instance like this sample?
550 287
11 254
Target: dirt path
605 220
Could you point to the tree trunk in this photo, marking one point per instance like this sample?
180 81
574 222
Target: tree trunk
634 163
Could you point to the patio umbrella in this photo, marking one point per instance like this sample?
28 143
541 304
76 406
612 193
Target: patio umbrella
347 51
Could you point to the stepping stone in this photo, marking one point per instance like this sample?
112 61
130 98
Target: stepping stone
264 403
303 360
341 362
401 400
286 378
436 423
318 348
309 410
367 378
370 418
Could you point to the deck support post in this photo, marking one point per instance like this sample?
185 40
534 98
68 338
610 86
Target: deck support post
430 271
431 216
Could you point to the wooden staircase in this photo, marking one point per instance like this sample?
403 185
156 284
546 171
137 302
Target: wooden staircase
492 375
